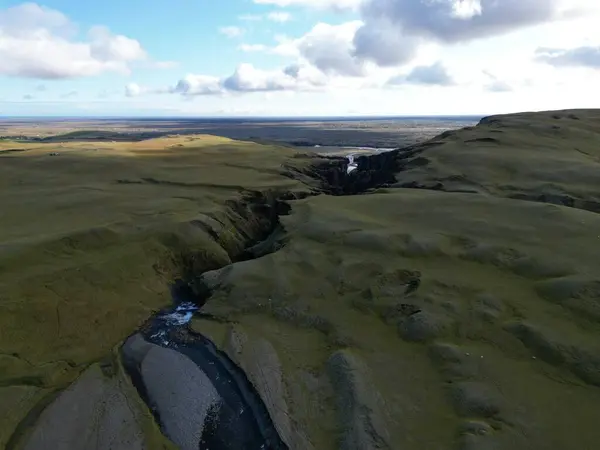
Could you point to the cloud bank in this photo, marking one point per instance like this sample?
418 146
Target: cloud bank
39 42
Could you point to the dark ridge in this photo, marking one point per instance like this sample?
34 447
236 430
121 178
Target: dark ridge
559 199
11 150
373 171
99 135
484 139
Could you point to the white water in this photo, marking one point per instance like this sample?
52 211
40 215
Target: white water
181 315
364 151
351 164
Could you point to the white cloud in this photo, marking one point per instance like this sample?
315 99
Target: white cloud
133 90
393 33
461 20
316 4
385 44
330 49
327 47
393 30
231 31
585 56
286 46
432 75
192 85
104 46
247 78
279 16
37 42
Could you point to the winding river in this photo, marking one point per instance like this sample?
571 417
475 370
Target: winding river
200 398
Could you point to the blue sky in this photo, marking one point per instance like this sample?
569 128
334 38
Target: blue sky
296 57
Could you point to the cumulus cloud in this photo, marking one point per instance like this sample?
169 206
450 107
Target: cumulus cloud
38 42
136 90
105 46
394 29
329 48
392 32
192 85
460 20
245 79
231 31
385 44
433 75
586 56
133 90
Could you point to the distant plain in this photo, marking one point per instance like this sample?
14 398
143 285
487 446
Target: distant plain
340 132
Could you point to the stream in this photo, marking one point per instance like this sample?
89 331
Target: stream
210 406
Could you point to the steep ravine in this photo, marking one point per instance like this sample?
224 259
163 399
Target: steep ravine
231 414
235 416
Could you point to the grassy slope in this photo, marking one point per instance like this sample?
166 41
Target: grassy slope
555 154
90 238
505 351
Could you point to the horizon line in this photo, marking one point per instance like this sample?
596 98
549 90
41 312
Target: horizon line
235 117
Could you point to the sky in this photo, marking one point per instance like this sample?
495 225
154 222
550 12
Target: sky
297 57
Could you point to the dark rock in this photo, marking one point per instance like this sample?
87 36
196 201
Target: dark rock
181 393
